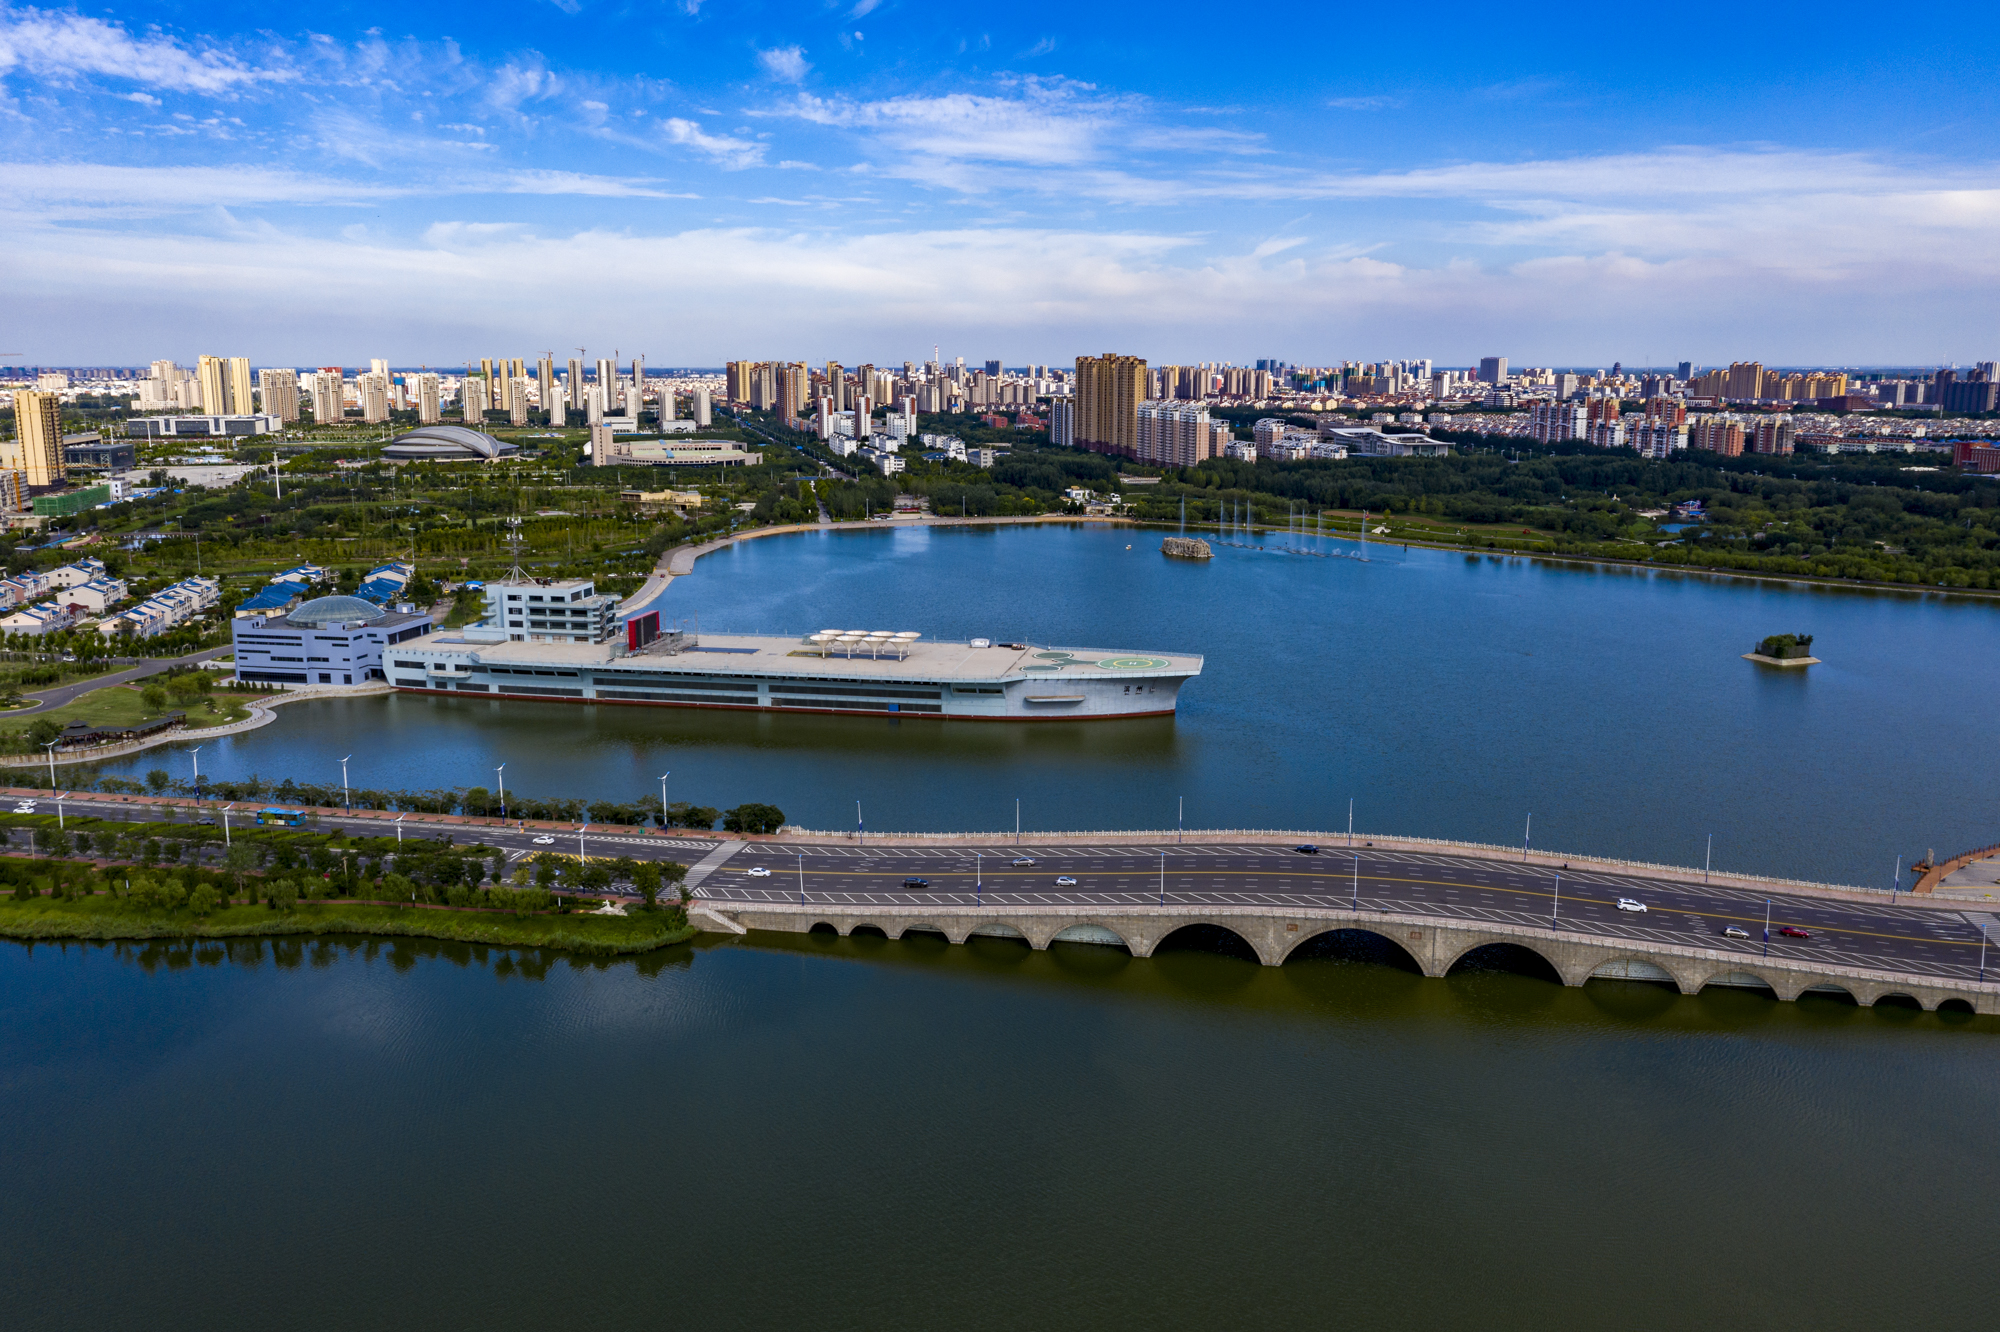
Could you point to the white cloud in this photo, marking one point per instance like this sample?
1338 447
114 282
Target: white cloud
863 8
732 154
786 63
1363 103
58 46
1052 122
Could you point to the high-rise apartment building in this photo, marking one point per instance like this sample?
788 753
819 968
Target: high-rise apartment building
1717 434
213 373
242 400
279 390
1062 422
1745 381
1657 437
736 380
794 387
1774 435
1553 422
1684 371
517 399
576 384
836 387
607 379
329 394
545 380
700 405
667 406
427 399
1492 369
1174 434
37 447
1109 389
472 400
373 390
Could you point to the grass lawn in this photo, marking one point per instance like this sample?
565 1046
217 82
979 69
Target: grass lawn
122 705
103 917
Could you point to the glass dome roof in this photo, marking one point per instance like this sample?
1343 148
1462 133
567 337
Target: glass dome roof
322 612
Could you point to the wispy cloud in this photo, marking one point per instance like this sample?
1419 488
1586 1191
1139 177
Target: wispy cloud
786 63
56 45
723 150
1363 103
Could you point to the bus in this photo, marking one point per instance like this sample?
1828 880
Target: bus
287 818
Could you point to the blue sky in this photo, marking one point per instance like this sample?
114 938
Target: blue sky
708 179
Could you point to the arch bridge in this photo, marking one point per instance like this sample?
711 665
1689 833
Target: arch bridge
1435 946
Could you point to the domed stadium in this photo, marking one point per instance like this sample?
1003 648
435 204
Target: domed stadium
326 612
447 443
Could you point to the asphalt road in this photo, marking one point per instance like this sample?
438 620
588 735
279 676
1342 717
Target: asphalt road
1921 939
69 693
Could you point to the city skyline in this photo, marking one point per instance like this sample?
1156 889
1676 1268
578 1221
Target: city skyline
873 175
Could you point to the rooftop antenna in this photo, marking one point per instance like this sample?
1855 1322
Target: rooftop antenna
514 574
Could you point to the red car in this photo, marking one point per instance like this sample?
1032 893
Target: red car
1794 932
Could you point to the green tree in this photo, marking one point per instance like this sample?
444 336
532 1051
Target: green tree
43 731
158 780
155 699
646 878
753 818
202 900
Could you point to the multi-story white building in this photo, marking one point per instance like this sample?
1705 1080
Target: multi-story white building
1552 422
1655 438
77 572
96 596
551 611
165 609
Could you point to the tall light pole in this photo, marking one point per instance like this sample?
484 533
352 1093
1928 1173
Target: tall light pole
195 755
579 839
346 800
51 747
1896 884
663 804
802 877
1707 857
1555 912
399 828
225 821
1163 878
1017 814
500 774
1767 927
1350 821
860 828
1357 883
979 881
1529 828
1180 819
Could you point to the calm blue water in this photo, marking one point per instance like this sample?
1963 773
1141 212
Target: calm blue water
1448 695
805 1132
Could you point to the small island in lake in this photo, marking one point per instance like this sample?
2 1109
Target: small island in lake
1784 650
1186 548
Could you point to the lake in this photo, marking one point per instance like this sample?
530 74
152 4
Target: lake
1447 695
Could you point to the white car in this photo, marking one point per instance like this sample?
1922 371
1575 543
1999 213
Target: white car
545 840
758 872
1065 882
1630 904
1023 860
1735 932
24 809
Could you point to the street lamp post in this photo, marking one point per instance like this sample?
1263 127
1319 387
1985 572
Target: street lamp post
1896 884
1017 818
51 747
802 877
225 821
579 840
1357 882
195 755
1982 953
1180 821
501 774
1707 857
1767 927
60 825
399 828
1350 821
1555 912
1163 878
663 799
1529 828
860 828
346 800
978 879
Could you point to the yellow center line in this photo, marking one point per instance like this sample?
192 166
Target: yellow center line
1776 923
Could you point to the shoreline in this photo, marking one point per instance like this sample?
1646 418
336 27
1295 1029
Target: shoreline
99 920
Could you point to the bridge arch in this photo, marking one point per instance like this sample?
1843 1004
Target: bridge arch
866 930
1091 932
1207 936
823 927
1956 1007
1644 970
1832 992
1898 999
1736 978
1349 943
1505 955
